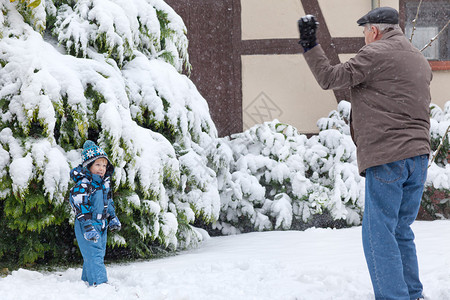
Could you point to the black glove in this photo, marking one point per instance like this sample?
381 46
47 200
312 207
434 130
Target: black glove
307 26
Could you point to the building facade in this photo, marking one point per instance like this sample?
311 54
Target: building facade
248 65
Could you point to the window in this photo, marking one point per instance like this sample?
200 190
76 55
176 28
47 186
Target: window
433 16
422 36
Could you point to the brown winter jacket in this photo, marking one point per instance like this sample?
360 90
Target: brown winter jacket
389 81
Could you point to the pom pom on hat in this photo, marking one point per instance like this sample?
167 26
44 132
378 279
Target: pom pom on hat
92 152
89 144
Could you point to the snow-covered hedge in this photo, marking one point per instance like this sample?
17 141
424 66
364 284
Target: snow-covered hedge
436 197
275 178
279 179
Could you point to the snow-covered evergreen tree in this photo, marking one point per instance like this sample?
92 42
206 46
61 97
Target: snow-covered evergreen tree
110 71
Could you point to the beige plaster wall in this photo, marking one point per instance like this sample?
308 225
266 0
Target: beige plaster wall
270 19
345 57
276 19
282 87
439 88
392 3
341 16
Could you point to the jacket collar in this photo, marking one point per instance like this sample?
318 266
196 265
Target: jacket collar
80 172
389 34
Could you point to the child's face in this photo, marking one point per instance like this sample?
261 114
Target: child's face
99 166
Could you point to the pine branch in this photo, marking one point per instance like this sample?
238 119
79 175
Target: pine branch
434 38
440 144
414 21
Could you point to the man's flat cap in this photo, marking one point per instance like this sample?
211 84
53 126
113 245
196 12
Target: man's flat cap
386 15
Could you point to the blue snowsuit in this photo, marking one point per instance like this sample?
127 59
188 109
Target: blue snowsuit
93 205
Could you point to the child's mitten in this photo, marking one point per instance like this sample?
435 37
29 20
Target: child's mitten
114 224
91 234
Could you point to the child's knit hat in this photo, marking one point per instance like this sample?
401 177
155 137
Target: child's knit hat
91 152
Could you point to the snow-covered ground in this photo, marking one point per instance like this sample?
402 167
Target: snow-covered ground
313 264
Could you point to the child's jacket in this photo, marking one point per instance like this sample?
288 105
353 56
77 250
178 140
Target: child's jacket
91 198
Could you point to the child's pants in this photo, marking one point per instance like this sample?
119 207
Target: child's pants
94 270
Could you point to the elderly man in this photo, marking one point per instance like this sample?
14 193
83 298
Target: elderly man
389 81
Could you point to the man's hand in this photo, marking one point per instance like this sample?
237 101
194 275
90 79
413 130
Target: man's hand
307 26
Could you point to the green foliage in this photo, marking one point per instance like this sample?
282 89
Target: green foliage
146 118
168 33
441 156
31 4
440 128
137 220
103 45
27 9
71 126
435 204
94 98
31 227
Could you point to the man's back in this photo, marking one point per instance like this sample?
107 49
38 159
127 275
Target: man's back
391 106
389 81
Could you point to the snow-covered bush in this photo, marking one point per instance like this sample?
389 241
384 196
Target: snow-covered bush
277 178
436 200
272 177
110 71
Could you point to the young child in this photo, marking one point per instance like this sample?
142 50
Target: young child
93 205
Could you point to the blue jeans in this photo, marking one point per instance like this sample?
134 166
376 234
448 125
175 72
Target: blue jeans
392 201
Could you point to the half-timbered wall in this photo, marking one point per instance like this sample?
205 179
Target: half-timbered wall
248 65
